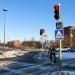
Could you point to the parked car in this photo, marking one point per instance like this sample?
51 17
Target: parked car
47 46
65 49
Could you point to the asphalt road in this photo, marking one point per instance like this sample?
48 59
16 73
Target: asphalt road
33 64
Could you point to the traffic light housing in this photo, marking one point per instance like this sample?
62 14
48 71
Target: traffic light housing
57 12
41 31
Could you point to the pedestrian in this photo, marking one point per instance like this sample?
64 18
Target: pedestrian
52 53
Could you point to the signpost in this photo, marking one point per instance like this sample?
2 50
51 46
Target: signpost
41 33
59 32
59 35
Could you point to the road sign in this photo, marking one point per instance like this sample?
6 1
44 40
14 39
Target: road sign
59 25
59 34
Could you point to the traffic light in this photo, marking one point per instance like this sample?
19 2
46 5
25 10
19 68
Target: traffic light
57 12
41 31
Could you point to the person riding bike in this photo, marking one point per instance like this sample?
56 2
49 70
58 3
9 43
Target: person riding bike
52 53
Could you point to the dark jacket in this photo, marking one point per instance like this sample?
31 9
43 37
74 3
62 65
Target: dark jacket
52 49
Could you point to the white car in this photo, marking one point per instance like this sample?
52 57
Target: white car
65 49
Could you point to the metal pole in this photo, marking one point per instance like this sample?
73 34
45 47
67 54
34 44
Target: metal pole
4 30
60 41
60 48
42 41
60 53
4 25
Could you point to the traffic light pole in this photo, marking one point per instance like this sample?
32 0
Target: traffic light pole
57 18
60 48
42 40
41 33
60 41
60 52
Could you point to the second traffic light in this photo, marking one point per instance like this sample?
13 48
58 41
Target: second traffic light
41 31
57 12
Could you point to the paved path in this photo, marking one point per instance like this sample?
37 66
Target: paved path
22 66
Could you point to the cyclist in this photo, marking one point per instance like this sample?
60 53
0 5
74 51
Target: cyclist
52 53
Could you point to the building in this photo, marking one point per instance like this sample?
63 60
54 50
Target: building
69 36
15 43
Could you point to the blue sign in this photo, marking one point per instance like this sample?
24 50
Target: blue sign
59 34
59 25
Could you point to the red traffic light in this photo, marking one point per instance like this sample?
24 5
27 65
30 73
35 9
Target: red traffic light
56 7
57 12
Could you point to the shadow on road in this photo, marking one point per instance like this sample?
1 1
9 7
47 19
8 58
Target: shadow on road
29 64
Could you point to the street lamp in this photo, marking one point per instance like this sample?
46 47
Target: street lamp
4 10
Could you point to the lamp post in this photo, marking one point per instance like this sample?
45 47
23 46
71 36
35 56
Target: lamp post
4 10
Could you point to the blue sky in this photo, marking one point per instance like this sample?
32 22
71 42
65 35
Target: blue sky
24 18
